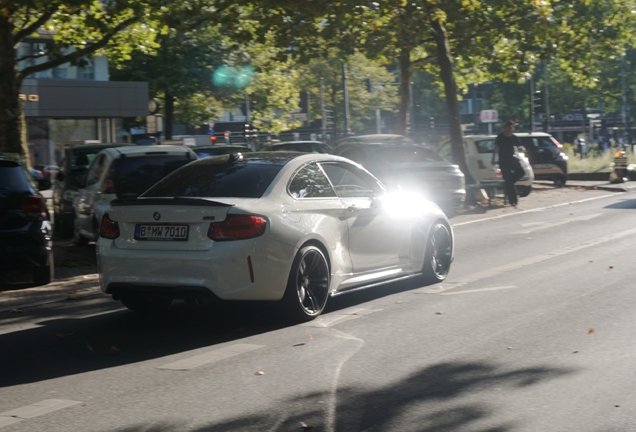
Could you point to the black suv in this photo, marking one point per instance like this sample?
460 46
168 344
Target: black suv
26 246
77 158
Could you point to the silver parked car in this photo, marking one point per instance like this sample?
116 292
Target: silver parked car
409 167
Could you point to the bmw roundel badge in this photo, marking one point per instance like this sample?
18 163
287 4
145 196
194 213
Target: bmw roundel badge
156 216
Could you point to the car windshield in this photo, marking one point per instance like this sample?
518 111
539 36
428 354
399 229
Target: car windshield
217 180
133 175
408 154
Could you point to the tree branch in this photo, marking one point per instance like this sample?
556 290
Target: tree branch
75 55
29 29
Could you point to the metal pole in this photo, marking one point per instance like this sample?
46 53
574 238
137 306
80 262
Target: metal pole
347 127
247 108
378 121
547 98
322 108
531 103
411 110
625 105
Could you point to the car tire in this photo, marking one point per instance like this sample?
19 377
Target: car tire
42 275
438 255
523 191
141 303
308 285
559 181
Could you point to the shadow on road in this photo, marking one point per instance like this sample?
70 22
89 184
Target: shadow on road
76 337
412 404
623 204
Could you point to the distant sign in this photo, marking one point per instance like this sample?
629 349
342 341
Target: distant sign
226 134
489 116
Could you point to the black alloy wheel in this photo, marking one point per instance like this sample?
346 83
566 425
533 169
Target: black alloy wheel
308 286
438 255
523 191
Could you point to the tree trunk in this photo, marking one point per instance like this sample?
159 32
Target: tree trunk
10 105
169 115
445 60
406 72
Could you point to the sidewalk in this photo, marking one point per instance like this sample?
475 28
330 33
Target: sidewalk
588 184
75 288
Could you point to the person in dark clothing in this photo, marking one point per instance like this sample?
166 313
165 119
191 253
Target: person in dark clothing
511 170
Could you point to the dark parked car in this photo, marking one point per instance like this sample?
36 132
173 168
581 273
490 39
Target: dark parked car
300 146
410 167
77 158
216 150
26 247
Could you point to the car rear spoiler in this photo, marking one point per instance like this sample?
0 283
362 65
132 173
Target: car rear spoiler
123 202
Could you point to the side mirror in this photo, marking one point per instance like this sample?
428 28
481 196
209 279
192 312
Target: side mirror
44 184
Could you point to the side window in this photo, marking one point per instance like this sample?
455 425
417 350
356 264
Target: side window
311 182
350 182
485 146
95 171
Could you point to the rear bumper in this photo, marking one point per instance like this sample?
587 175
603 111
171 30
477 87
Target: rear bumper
223 271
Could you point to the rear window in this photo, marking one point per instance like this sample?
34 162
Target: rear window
133 175
408 155
217 180
13 178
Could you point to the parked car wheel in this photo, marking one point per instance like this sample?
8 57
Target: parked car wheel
42 275
559 181
141 303
438 256
523 191
308 286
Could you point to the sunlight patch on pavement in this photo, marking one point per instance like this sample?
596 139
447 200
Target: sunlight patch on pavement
478 290
211 356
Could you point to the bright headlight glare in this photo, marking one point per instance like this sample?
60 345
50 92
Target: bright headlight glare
406 204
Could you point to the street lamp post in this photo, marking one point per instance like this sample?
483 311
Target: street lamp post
347 126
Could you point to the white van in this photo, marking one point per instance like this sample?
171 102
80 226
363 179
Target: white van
478 152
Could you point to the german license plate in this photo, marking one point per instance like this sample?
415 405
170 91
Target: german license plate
161 232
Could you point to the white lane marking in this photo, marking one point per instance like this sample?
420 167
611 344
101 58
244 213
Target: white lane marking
329 320
6 421
537 209
39 408
210 357
332 404
525 262
538 226
477 290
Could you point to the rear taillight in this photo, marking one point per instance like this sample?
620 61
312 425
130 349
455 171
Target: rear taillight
237 227
34 205
109 229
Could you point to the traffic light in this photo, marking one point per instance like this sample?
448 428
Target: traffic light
329 119
247 132
538 102
368 84
431 122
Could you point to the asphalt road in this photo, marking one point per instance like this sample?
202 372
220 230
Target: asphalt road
533 331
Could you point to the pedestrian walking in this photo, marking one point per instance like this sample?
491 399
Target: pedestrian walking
505 149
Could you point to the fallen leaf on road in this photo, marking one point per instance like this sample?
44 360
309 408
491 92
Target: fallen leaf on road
298 344
308 336
114 350
79 282
611 267
617 406
259 373
306 426
60 335
16 311
90 348
438 313
75 291
591 261
591 330
510 348
575 352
